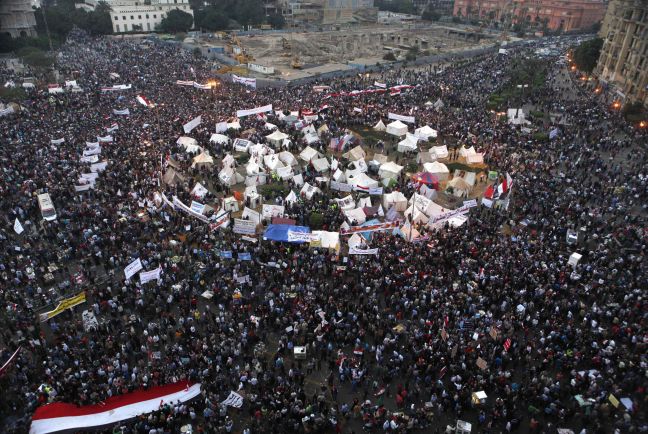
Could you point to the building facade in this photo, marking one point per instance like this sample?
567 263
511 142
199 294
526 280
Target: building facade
623 61
441 7
554 14
138 15
17 18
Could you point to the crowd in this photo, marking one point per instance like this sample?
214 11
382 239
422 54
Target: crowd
393 341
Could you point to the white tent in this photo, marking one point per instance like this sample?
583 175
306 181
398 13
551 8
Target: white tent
310 129
464 152
272 162
219 138
234 125
395 199
358 166
459 186
259 179
390 170
354 154
276 138
259 150
321 164
338 176
361 180
355 216
285 172
202 159
397 128
425 157
291 198
311 138
229 176
408 144
439 169
380 126
288 158
328 240
242 145
252 168
308 191
424 133
440 151
190 144
228 161
308 154
516 116
416 215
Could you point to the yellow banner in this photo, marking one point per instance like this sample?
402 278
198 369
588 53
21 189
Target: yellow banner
63 305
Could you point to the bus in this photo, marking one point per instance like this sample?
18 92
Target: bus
46 207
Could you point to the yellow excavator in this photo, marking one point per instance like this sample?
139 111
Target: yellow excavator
240 54
296 63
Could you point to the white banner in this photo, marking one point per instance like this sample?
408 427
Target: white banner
375 191
179 204
99 167
233 400
270 211
254 111
302 236
446 215
147 276
202 86
91 145
133 268
340 186
251 82
191 124
124 112
197 207
91 159
93 151
245 227
57 141
357 251
395 117
184 83
105 139
84 187
380 85
18 227
470 203
116 87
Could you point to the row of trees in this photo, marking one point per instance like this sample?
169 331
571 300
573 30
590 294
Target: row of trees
227 14
587 54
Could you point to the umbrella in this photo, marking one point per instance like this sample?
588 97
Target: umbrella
426 178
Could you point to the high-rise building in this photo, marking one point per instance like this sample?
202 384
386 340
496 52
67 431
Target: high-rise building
554 14
623 62
17 18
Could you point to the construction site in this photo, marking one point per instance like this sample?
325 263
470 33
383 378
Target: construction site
284 54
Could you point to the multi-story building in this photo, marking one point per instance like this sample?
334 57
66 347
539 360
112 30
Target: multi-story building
554 14
623 62
17 18
138 15
441 7
328 11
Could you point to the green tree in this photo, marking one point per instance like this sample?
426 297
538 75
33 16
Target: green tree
390 57
213 19
430 15
277 21
35 57
248 12
398 6
587 53
176 21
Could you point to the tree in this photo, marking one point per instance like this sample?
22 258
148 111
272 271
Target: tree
176 21
248 12
390 57
213 19
398 6
277 21
430 15
35 58
586 54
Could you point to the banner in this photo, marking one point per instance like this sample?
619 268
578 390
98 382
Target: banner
179 204
254 111
470 203
18 227
64 305
184 83
305 237
380 85
93 151
133 268
449 214
116 87
4 367
105 139
245 81
271 211
57 141
395 117
340 186
99 167
244 256
233 400
6 111
147 276
245 227
220 221
84 187
124 112
370 228
197 207
227 254
376 191
357 251
202 86
191 124
61 416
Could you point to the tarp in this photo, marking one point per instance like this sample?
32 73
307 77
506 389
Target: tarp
277 138
308 154
242 145
380 126
408 144
219 138
321 164
424 133
288 159
354 154
280 232
439 169
190 144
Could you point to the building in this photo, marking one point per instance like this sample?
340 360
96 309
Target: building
441 7
623 61
138 15
567 15
299 12
17 18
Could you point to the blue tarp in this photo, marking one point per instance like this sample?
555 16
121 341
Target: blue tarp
280 232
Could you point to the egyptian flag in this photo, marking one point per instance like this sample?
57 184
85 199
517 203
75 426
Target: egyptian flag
490 192
504 185
60 416
142 100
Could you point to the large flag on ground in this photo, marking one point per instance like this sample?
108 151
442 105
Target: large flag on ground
142 100
60 416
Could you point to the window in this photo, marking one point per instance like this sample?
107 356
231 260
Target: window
117 27
154 16
124 17
148 25
132 17
125 27
116 18
147 17
139 17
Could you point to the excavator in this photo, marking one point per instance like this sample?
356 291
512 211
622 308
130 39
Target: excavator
240 54
296 63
